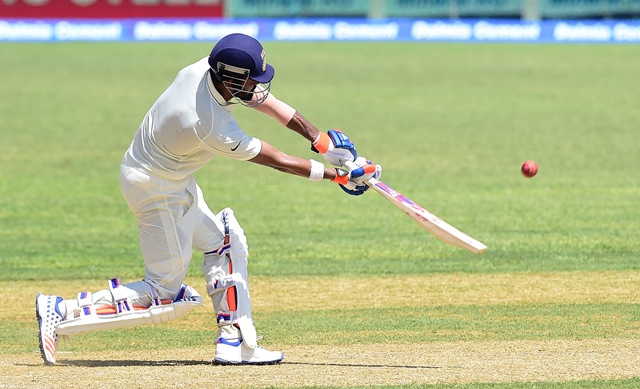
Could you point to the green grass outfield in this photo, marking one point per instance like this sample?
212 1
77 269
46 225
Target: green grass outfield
450 123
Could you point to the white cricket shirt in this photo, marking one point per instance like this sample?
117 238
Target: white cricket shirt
187 126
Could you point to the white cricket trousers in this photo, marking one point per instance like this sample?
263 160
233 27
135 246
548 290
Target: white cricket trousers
173 218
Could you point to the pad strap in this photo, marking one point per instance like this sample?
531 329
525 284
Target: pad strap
155 299
120 296
85 304
221 250
223 318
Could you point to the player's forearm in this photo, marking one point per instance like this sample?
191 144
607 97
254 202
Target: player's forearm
299 167
274 158
304 168
302 126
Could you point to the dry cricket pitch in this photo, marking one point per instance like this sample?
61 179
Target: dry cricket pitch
388 364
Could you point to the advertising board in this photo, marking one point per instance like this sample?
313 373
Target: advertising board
101 9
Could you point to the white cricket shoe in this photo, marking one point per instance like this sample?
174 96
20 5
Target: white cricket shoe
237 353
233 351
49 316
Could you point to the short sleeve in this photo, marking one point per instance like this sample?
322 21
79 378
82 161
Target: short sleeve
229 140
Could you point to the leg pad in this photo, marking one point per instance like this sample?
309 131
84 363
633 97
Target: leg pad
89 321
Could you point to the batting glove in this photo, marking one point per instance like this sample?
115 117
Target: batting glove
336 147
353 182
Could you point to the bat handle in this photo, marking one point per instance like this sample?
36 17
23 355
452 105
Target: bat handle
351 166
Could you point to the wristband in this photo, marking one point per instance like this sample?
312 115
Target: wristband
322 143
317 171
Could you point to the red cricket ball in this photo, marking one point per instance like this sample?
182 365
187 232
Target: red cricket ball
529 169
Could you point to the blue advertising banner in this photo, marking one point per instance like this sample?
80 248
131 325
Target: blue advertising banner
334 29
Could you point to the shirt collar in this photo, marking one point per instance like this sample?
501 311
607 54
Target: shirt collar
216 95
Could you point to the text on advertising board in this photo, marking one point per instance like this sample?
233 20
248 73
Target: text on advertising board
110 8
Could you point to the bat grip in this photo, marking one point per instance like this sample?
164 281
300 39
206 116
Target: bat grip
352 166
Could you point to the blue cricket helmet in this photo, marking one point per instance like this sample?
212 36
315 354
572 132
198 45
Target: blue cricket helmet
241 53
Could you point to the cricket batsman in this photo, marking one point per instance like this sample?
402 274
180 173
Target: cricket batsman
188 125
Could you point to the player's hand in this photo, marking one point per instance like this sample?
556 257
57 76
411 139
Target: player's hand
353 181
336 147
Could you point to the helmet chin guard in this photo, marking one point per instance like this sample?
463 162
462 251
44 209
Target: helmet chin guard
235 81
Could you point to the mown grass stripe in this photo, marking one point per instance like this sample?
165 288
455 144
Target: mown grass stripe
340 326
333 325
305 293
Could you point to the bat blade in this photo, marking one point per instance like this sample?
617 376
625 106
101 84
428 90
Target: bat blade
436 226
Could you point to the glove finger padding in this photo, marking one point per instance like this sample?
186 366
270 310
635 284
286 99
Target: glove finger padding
366 170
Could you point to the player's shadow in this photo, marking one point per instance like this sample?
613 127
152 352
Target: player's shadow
385 366
127 363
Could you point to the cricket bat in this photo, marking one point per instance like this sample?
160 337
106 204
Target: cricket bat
430 222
